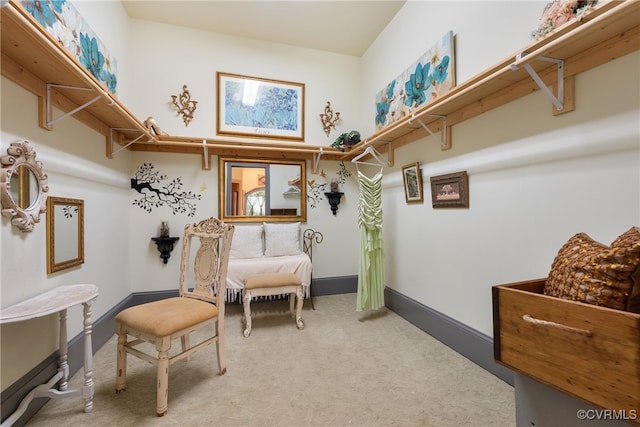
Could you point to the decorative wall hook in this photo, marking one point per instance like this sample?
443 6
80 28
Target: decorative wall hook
184 105
328 119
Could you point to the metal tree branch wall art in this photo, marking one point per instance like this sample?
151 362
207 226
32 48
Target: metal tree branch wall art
184 105
167 194
314 194
329 119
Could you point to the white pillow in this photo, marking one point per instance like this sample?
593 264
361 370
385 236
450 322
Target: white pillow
281 239
247 241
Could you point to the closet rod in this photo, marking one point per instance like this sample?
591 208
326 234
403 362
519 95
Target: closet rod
209 145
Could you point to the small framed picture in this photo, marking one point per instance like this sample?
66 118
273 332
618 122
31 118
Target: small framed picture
450 191
260 108
412 178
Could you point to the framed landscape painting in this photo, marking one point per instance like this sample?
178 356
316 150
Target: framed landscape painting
431 76
412 178
260 108
450 191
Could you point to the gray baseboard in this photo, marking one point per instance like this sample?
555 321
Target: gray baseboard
334 285
13 395
468 342
103 329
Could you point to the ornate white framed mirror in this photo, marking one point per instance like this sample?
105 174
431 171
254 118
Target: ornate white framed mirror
65 233
256 190
23 186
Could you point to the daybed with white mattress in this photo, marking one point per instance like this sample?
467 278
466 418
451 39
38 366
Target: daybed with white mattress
267 248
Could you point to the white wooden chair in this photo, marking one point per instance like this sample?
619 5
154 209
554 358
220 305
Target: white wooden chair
161 322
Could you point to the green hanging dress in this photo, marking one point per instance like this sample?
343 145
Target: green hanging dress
370 271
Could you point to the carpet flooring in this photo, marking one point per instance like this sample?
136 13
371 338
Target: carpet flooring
344 369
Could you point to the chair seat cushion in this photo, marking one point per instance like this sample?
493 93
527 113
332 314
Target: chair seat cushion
271 280
165 317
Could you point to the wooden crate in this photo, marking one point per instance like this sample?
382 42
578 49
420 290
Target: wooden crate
589 352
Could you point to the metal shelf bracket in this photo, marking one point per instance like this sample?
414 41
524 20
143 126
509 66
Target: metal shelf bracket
443 136
316 161
50 119
558 101
111 130
205 155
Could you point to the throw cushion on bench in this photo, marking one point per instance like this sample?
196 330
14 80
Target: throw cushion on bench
271 280
282 239
247 241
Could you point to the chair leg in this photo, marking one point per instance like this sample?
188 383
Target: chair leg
300 301
163 345
222 366
246 302
292 300
121 359
184 340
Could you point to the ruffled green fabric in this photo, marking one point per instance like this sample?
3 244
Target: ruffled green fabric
370 271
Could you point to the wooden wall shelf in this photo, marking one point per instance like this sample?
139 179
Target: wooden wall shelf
32 58
238 147
611 30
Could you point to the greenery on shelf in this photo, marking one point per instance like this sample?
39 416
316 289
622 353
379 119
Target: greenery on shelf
346 140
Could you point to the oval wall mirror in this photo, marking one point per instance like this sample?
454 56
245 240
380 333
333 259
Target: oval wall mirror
23 186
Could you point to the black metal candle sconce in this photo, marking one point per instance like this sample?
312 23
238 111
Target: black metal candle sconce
164 242
334 200
165 246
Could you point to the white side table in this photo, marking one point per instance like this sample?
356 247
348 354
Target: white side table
58 300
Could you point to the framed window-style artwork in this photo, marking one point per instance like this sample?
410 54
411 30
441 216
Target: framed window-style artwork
450 191
412 178
65 233
260 108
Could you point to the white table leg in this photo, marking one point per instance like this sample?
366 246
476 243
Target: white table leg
299 302
63 364
87 390
246 303
57 300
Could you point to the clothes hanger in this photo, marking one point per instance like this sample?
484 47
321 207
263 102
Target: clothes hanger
374 153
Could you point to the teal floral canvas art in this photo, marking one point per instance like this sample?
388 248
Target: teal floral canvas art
62 21
431 76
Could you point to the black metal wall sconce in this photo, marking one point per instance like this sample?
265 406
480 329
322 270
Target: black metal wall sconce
334 200
165 246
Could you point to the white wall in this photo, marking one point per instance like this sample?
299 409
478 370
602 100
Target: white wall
73 157
516 156
336 256
535 180
485 33
168 57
